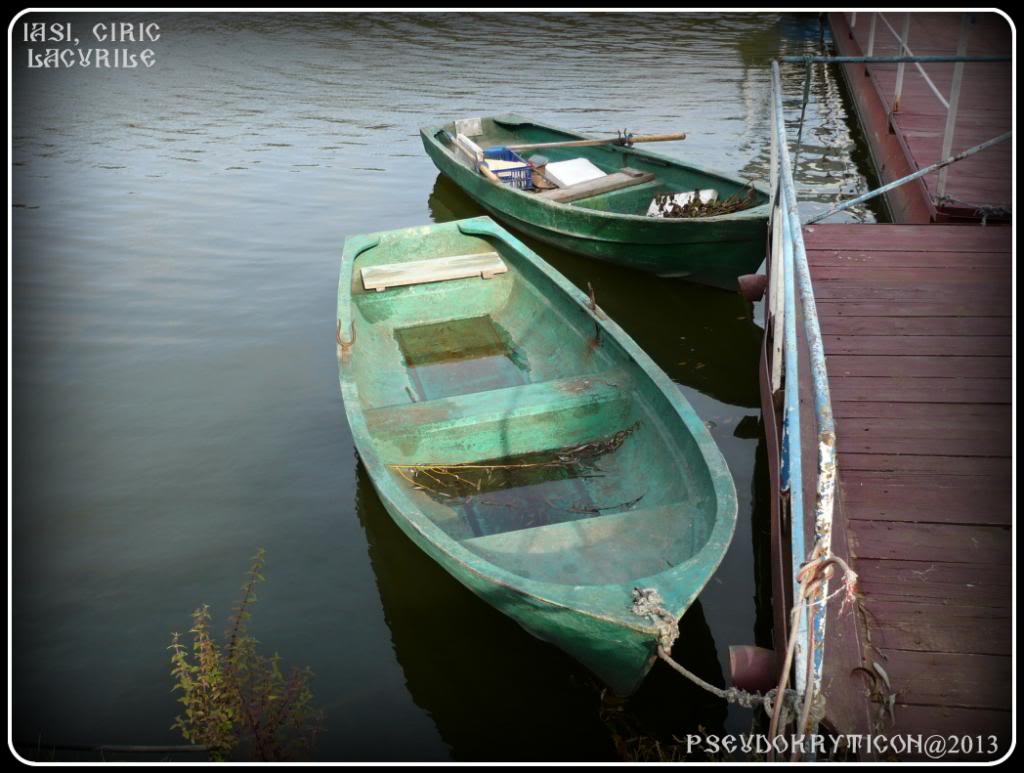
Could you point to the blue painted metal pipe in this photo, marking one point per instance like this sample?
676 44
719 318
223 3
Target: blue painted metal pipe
826 461
791 439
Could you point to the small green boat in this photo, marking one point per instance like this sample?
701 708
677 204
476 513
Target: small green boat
614 225
524 441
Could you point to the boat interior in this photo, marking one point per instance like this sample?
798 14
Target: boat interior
513 421
634 177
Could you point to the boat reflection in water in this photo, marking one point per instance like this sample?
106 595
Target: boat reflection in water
497 693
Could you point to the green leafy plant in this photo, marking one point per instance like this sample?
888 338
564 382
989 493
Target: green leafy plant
238 703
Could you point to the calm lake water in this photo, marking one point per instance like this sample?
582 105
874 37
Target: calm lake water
176 240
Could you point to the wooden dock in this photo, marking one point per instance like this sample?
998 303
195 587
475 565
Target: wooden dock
916 325
906 137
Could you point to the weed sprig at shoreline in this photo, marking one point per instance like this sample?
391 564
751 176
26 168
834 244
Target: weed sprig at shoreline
238 703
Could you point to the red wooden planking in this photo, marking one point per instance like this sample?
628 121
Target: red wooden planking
983 307
914 365
965 136
900 275
994 95
918 98
974 585
973 189
988 125
908 425
929 150
977 123
949 679
965 466
978 117
939 443
988 175
913 238
995 416
866 436
992 472
925 103
865 260
923 503
938 627
917 326
972 296
937 345
848 706
954 543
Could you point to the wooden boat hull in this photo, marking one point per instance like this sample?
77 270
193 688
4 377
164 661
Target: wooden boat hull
560 556
708 250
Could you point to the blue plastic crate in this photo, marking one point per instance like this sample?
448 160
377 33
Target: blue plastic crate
519 177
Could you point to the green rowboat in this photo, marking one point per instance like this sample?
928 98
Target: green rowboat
522 439
613 226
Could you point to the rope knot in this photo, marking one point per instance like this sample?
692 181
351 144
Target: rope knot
647 602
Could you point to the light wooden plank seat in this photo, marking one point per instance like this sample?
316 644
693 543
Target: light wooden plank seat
624 178
414 272
502 422
612 548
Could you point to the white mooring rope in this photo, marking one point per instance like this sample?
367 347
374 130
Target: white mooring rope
647 602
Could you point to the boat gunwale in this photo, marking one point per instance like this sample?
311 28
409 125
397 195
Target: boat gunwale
594 600
511 119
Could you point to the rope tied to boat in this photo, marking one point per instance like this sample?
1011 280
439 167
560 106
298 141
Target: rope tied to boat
647 602
812 576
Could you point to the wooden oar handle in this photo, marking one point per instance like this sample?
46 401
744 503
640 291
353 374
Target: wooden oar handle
658 137
486 172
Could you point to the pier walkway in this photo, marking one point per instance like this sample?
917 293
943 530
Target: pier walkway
900 372
916 326
906 134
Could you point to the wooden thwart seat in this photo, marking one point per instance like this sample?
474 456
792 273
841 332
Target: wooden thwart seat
414 272
617 547
502 422
624 178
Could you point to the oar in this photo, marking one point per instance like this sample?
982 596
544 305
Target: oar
608 141
486 172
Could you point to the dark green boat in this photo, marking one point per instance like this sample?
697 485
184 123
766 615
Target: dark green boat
613 225
524 441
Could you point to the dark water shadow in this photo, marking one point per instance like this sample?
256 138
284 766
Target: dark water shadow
494 691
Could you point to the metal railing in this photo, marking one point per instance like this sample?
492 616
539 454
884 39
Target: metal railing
791 297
